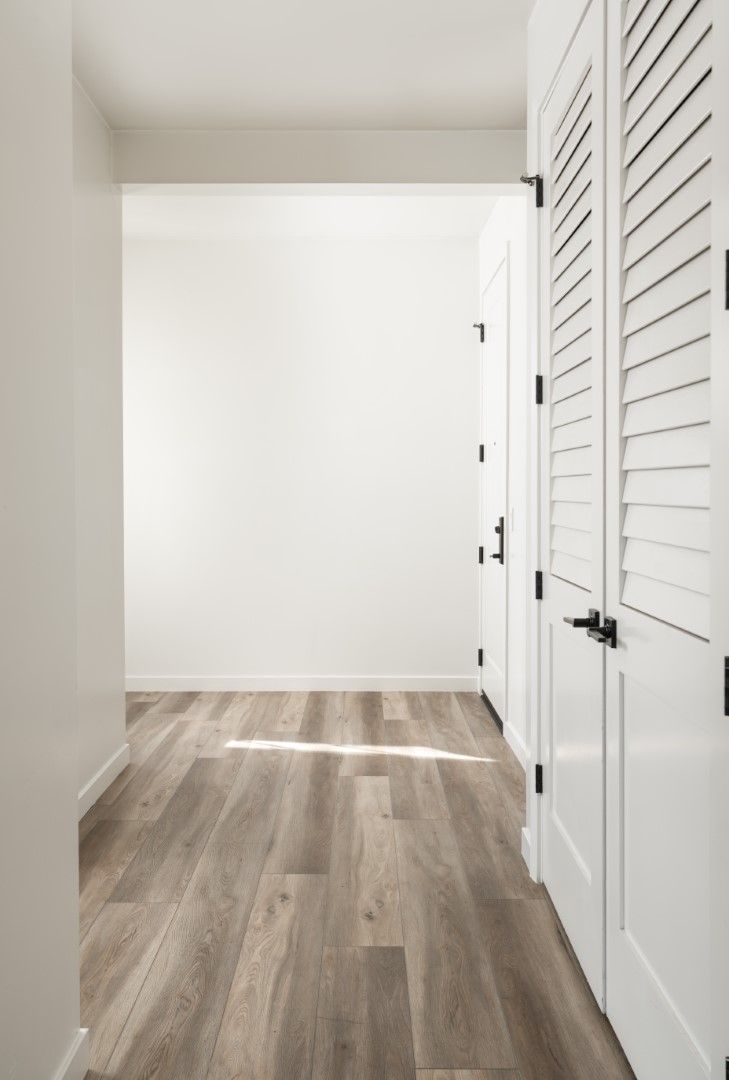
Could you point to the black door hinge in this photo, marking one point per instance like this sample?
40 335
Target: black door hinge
480 452
539 390
480 657
727 1068
538 184
538 586
481 329
726 306
538 780
480 554
726 699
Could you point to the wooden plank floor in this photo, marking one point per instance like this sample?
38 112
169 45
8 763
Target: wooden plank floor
329 886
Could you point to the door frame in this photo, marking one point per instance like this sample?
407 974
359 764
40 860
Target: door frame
501 258
719 572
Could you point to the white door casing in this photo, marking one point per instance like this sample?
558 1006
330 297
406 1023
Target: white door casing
494 495
571 492
658 678
719 576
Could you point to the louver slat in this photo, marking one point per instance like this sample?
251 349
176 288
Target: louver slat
655 42
570 374
669 61
684 244
665 524
666 320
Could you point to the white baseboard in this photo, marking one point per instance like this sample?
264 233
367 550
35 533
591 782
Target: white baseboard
517 744
76 1062
168 683
526 846
100 781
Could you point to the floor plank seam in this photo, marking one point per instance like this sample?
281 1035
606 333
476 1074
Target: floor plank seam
136 996
404 951
234 967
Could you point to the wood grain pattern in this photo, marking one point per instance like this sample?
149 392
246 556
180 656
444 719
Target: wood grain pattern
415 783
302 971
399 705
477 716
363 730
467 1074
446 724
364 900
209 706
456 1015
144 736
322 718
269 1023
115 959
176 702
175 1021
488 837
363 1030
556 1029
291 712
162 868
104 855
301 843
154 784
237 722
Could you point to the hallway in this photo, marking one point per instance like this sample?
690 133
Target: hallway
288 885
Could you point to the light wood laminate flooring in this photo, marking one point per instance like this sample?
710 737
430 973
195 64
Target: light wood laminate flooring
284 886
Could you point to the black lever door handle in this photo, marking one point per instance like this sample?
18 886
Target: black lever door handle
592 620
500 530
605 635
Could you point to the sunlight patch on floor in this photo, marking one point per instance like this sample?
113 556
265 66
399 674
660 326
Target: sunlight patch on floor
354 748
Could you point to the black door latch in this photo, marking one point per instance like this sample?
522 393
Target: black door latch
605 635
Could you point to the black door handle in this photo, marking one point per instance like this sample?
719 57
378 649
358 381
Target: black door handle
500 530
591 622
605 635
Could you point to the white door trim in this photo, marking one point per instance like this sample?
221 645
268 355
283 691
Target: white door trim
719 574
499 259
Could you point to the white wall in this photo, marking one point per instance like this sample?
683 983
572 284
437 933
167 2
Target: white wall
39 981
507 227
103 751
301 418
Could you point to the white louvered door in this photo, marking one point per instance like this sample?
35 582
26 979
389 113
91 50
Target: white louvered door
657 489
572 464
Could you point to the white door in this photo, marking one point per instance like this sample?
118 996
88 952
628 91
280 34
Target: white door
571 493
494 412
659 689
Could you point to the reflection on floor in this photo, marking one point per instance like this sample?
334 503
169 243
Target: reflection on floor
327 885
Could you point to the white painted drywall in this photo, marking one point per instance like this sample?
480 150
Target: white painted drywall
103 750
378 157
507 226
39 975
301 423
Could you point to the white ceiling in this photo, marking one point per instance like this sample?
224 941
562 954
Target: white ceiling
208 214
304 64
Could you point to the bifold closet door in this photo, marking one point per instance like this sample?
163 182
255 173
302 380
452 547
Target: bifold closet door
658 504
572 498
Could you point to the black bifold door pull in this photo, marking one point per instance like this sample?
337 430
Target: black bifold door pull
500 530
591 622
605 635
